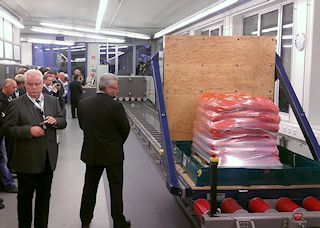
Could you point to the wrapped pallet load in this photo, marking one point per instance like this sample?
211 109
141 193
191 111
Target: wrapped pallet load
241 130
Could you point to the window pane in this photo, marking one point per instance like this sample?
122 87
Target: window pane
103 54
269 24
286 48
214 32
112 58
8 50
7 30
16 52
16 35
125 55
205 33
1 49
250 26
143 65
1 27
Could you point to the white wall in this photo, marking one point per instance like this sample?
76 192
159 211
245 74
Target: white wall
26 53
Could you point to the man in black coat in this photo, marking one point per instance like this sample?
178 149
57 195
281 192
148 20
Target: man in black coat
31 121
9 86
75 94
106 128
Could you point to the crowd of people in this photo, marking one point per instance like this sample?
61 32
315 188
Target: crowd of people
32 108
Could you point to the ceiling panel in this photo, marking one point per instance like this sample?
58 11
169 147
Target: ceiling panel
147 16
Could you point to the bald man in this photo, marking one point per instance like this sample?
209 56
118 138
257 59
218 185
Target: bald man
32 120
9 86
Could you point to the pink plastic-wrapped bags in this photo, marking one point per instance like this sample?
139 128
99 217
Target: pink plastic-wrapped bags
240 130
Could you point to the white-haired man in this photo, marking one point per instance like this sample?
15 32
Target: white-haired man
31 121
106 128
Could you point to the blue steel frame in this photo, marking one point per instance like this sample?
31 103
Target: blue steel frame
172 180
298 111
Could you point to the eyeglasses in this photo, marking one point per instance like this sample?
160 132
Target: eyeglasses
34 84
116 88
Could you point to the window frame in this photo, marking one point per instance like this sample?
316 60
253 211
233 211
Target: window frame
284 116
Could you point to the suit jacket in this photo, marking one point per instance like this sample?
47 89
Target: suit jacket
29 153
20 91
4 103
46 91
105 127
75 90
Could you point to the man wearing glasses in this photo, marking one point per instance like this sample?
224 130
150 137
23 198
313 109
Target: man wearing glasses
106 128
31 122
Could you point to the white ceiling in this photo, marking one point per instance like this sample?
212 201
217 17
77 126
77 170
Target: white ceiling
142 16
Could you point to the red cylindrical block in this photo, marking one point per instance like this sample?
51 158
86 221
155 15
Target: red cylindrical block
259 205
229 205
285 204
311 203
201 206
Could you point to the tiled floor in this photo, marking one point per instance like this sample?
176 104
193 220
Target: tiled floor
147 202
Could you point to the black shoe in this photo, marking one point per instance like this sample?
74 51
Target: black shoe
1 200
1 206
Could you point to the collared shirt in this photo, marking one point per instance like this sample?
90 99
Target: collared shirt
48 88
17 93
39 105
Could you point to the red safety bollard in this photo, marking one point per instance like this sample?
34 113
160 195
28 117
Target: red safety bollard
229 205
311 203
259 205
201 206
285 204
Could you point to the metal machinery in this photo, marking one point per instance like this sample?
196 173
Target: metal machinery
194 200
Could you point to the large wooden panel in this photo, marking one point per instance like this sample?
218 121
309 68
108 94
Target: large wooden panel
194 64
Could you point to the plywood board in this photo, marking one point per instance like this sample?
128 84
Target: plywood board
194 64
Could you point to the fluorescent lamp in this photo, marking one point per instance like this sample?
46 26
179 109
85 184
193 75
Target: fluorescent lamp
10 18
63 56
254 33
91 30
45 41
195 17
76 34
102 8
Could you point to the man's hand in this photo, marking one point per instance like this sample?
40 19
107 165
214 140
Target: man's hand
50 120
37 131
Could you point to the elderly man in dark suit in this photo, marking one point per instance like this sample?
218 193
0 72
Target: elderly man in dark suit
106 128
31 121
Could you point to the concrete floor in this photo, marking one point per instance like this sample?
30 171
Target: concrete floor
147 202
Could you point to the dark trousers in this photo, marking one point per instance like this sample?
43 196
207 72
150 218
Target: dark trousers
28 184
74 106
88 201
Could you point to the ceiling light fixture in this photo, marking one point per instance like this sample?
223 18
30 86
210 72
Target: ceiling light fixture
45 41
10 18
102 8
195 17
76 34
91 30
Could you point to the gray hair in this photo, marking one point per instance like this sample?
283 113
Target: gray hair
33 72
107 80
